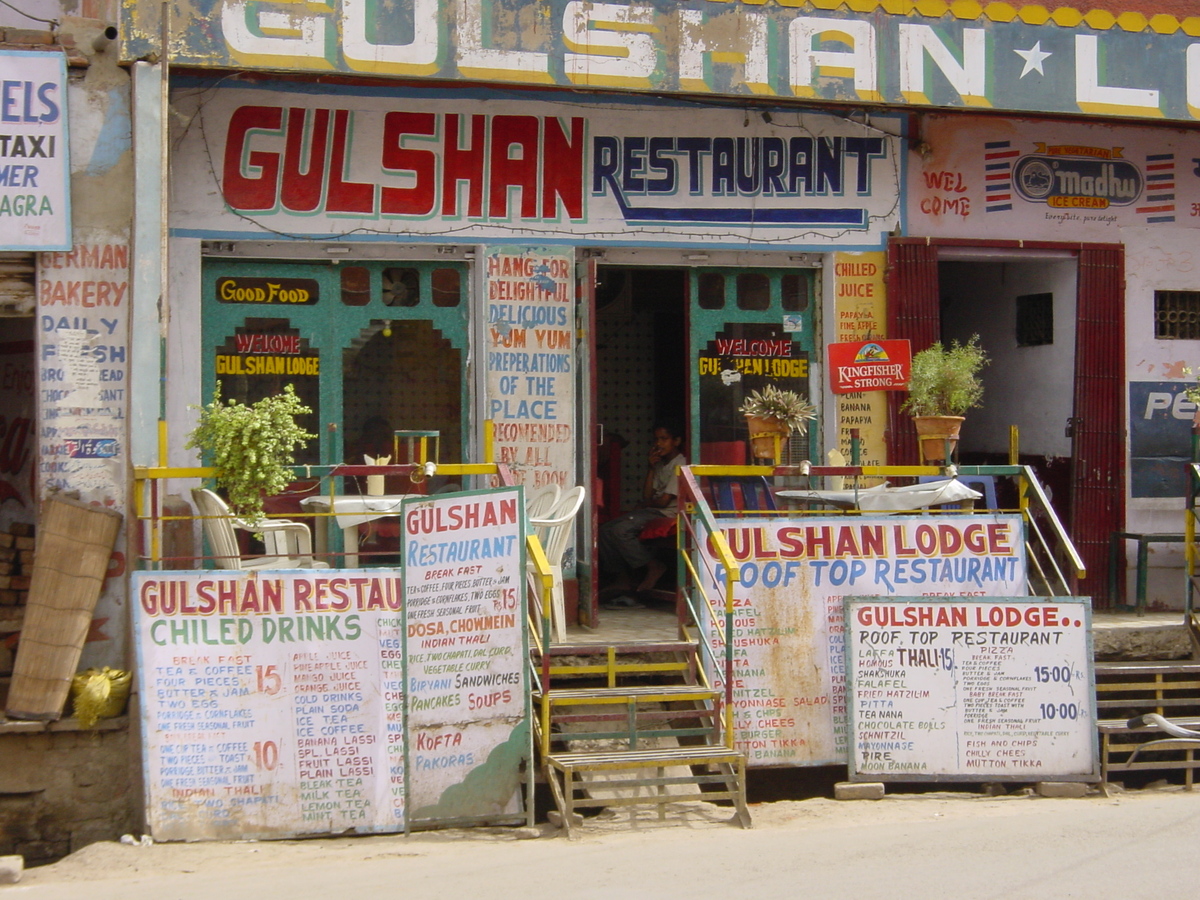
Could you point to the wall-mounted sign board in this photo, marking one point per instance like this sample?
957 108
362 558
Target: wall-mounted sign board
971 689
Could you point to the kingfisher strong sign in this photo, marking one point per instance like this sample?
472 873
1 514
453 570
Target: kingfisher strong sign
324 165
869 366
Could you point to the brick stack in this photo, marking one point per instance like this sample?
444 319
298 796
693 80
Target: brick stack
16 571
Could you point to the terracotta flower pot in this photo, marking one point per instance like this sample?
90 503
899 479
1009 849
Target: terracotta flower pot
762 436
933 433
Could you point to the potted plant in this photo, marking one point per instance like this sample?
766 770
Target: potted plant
773 411
252 446
944 384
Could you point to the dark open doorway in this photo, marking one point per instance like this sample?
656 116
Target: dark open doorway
641 373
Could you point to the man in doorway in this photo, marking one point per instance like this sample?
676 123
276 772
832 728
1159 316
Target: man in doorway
622 552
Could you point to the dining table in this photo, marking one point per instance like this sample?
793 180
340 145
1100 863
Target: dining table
885 499
349 511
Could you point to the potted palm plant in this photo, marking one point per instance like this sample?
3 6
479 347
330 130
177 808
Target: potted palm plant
944 384
774 411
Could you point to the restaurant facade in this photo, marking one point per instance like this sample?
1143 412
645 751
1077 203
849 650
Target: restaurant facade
574 220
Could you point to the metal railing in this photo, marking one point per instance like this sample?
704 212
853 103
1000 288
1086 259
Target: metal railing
150 492
707 577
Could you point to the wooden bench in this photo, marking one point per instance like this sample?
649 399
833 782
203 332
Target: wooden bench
1123 690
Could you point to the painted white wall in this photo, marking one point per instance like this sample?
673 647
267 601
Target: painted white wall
1030 387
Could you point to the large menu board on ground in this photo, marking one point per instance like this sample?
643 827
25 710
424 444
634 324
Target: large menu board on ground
789 693
971 690
279 703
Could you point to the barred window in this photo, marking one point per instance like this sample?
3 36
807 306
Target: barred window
1035 320
1177 315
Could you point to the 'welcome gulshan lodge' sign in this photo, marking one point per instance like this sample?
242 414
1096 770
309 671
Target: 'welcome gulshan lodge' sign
961 54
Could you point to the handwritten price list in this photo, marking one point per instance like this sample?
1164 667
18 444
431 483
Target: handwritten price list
971 691
249 740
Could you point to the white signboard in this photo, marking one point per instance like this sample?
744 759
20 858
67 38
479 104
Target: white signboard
35 195
999 690
1053 181
272 702
371 166
469 735
789 693
280 703
531 363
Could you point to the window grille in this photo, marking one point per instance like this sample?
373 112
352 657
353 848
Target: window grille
1035 320
1177 315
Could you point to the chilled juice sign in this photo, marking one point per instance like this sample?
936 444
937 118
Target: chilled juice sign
789 693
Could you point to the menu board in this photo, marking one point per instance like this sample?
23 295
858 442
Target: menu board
272 702
978 690
468 719
279 703
789 696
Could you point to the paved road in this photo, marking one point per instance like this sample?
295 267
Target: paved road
1136 845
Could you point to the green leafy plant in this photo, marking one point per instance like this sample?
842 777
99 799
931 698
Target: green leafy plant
1193 391
788 407
252 447
945 380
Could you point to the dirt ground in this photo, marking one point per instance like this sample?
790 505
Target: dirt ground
140 865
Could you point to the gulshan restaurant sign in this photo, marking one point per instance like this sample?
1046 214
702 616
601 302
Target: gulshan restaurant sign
410 163
1102 66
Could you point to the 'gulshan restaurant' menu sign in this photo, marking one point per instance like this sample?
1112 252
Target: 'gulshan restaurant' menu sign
296 702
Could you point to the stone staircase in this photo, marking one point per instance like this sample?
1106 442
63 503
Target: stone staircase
632 725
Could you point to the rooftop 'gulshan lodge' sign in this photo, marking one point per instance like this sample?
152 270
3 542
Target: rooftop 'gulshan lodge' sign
966 54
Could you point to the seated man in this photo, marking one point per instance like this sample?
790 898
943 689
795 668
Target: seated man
621 551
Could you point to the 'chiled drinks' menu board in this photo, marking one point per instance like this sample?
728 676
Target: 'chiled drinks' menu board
279 703
971 690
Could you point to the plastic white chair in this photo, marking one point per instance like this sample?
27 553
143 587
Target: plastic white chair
538 506
288 543
554 532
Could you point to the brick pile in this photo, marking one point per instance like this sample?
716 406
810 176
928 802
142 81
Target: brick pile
16 572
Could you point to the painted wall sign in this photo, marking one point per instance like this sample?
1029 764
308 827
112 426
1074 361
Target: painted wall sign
35 196
298 702
438 167
693 46
869 366
978 690
729 368
1051 181
1160 438
790 694
531 362
268 290
82 351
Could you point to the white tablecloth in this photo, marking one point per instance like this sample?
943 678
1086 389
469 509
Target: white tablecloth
350 510
883 498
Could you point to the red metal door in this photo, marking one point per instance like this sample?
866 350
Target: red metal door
1097 482
913 313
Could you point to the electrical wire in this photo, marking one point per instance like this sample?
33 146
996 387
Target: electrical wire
53 23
